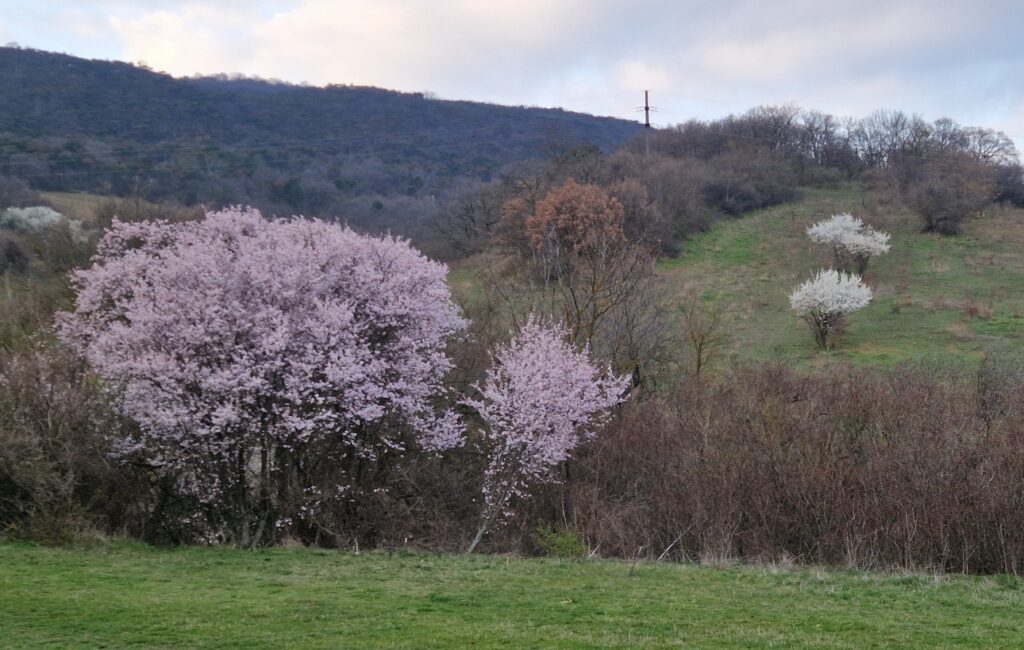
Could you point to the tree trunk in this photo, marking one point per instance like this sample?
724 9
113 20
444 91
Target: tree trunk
479 536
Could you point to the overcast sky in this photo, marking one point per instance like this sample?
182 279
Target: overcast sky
938 58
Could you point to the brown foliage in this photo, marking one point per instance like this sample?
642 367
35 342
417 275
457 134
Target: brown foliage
577 218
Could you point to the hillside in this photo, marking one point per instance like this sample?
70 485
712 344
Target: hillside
134 595
935 297
71 124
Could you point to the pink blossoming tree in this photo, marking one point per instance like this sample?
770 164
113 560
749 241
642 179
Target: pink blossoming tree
541 398
255 353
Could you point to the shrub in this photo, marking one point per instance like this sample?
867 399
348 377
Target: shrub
540 400
917 468
951 189
575 218
12 257
275 368
740 181
852 242
55 430
15 192
37 219
824 300
558 542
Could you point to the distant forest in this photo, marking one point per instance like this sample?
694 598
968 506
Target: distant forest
381 158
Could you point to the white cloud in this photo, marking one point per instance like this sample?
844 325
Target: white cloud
822 42
406 45
189 40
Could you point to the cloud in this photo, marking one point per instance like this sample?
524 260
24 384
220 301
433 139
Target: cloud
406 45
188 40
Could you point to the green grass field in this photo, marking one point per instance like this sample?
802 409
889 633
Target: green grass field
118 595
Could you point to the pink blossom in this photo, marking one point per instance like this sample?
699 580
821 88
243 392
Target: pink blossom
235 334
540 400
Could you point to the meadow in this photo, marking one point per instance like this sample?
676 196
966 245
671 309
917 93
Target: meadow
936 297
114 594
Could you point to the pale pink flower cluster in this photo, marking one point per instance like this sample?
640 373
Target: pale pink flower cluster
541 398
226 333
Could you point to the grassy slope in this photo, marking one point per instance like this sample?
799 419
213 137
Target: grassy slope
133 595
77 205
750 265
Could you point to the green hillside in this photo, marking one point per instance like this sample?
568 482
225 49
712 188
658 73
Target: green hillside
935 297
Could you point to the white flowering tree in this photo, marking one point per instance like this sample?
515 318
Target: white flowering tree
824 300
853 242
37 219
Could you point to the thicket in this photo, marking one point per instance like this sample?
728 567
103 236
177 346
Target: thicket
919 468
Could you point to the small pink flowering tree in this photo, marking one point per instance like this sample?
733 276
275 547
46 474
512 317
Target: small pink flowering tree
541 398
257 355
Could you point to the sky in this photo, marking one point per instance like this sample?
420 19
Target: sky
938 58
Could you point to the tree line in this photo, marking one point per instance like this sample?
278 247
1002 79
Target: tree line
683 178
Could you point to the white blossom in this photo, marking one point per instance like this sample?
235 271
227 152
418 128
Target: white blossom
833 229
868 242
38 218
823 300
831 292
853 242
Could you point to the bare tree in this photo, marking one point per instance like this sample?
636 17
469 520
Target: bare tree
702 325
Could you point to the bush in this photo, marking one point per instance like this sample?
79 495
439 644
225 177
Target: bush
275 368
55 425
558 542
1009 184
825 300
917 468
853 242
15 192
951 189
741 181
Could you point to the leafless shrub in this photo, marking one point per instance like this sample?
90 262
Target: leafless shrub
919 468
54 421
703 329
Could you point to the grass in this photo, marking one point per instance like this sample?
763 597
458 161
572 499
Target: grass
77 205
940 298
120 595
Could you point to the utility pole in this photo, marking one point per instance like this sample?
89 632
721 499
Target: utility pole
647 124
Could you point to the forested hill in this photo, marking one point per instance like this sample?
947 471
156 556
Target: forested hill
113 128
